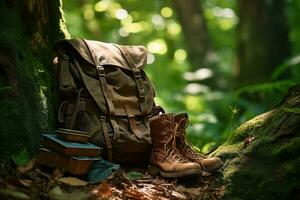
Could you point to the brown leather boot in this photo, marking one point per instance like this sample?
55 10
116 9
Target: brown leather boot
185 148
164 154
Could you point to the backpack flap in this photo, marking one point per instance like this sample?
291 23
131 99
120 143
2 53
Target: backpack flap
123 91
106 53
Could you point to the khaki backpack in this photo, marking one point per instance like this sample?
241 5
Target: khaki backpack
106 93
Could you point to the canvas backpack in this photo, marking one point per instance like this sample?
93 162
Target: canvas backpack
105 92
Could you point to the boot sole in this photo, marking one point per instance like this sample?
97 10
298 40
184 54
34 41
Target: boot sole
176 174
215 167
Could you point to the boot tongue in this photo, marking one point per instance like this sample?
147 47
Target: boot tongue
180 116
183 124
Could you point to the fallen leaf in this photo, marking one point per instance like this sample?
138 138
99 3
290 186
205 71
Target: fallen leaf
27 167
132 193
193 191
15 194
133 175
178 195
206 174
57 194
73 181
25 182
221 192
104 190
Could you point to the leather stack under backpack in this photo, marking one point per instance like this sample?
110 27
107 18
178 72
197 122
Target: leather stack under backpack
106 93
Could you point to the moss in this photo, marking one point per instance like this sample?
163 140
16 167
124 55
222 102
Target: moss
27 107
257 179
269 167
264 180
62 24
288 149
231 168
249 128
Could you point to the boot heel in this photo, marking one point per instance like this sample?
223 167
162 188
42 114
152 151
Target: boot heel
154 171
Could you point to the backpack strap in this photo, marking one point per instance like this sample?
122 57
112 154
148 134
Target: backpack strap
106 137
137 77
132 124
66 81
103 84
101 77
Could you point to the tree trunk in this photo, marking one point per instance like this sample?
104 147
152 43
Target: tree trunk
262 157
29 29
191 17
262 39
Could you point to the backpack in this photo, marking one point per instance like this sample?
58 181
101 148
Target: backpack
105 92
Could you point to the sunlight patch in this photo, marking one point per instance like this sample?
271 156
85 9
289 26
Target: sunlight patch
180 55
193 103
150 58
88 12
157 46
158 22
166 12
200 74
121 14
133 27
173 28
123 32
102 6
196 88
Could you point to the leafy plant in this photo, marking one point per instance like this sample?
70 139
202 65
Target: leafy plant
22 158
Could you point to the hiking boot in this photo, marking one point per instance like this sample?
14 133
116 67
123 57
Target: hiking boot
165 158
185 148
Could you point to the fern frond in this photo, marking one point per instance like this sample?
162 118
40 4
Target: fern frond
268 87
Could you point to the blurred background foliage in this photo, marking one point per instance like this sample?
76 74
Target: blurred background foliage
222 61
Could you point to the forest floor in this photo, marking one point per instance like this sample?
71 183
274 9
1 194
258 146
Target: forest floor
34 182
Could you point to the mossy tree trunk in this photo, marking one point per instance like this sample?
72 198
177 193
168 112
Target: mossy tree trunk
262 39
28 30
262 157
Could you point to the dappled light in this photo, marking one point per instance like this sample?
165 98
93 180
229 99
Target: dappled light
146 100
159 29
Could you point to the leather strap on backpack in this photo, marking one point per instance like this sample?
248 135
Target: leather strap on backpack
103 84
66 81
76 109
132 124
106 137
137 77
101 76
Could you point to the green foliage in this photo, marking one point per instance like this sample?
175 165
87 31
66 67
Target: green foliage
22 158
155 25
292 110
133 175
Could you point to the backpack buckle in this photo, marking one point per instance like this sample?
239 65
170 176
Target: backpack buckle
65 57
100 70
136 73
102 118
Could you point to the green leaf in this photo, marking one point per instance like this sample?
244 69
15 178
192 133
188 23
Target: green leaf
292 110
22 158
135 175
285 66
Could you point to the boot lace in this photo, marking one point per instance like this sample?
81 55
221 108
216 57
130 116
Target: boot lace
188 147
172 153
